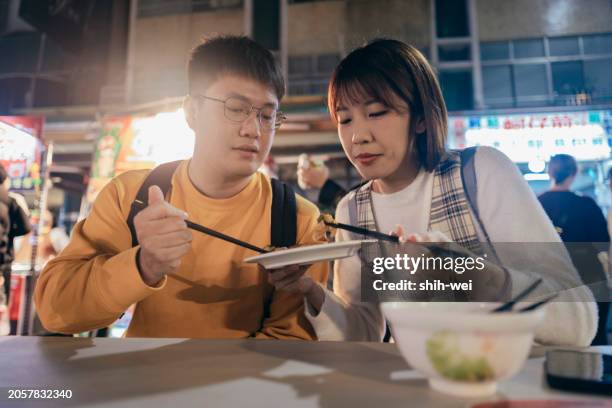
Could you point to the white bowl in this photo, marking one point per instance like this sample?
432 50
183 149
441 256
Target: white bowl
462 348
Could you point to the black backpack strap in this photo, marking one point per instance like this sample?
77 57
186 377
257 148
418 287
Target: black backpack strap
468 177
283 228
160 176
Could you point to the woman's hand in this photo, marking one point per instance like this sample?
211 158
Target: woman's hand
430 236
489 283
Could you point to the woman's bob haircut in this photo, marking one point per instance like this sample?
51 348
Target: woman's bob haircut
385 68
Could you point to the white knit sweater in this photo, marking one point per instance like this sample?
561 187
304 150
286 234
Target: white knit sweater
510 212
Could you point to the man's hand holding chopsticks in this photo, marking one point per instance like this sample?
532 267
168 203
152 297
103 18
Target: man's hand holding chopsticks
163 236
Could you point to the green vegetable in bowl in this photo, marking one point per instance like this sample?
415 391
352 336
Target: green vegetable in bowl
451 363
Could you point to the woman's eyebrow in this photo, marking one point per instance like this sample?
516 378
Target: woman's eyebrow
342 108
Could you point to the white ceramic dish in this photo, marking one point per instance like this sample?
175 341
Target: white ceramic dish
308 254
462 348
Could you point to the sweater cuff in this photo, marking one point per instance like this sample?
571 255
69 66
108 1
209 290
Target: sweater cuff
330 323
122 284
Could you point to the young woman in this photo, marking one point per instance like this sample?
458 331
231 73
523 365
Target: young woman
392 123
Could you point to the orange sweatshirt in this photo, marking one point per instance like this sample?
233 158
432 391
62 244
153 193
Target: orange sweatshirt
213 294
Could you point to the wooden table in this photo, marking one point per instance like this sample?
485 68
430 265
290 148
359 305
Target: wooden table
230 373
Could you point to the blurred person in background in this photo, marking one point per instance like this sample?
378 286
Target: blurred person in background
579 219
14 222
315 175
51 241
608 258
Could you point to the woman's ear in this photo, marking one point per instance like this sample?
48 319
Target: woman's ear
421 126
189 107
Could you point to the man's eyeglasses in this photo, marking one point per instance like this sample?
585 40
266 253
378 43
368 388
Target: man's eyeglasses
238 110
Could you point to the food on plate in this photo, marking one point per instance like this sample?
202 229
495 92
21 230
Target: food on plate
323 231
326 218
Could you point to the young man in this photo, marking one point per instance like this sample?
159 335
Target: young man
188 284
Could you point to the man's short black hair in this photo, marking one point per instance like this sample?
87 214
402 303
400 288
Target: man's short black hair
233 55
561 167
3 174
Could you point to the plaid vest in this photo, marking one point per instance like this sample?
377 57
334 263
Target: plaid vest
450 209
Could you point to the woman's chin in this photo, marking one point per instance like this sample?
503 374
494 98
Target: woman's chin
372 171
370 174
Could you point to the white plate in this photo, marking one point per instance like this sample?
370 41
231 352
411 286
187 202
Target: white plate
308 254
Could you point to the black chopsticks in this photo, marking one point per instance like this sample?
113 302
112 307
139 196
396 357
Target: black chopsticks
216 234
536 305
510 304
435 247
363 231
213 233
432 246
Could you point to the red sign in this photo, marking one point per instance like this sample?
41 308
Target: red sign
29 124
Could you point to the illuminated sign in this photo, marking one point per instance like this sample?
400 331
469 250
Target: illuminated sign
20 155
159 139
127 143
533 138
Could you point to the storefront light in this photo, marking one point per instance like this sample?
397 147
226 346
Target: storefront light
536 177
15 144
536 165
523 145
19 153
162 138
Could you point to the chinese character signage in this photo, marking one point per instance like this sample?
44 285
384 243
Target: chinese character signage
586 135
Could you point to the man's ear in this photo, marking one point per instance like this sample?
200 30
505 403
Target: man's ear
190 108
